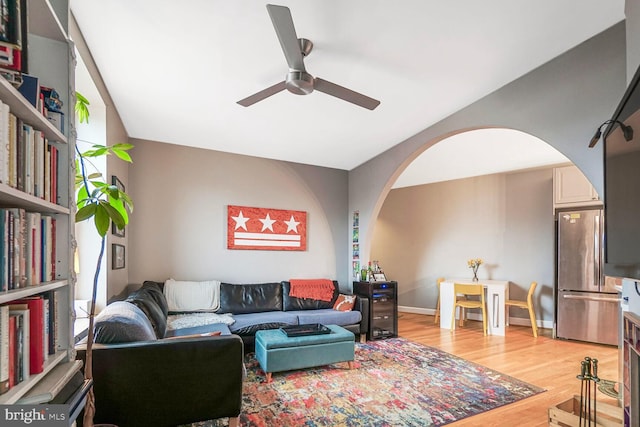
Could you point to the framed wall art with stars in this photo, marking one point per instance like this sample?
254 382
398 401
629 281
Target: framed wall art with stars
266 229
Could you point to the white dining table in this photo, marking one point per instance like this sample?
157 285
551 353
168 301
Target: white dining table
496 293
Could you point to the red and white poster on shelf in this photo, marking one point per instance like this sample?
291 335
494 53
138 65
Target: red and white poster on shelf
266 229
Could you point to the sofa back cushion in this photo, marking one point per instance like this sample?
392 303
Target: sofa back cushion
292 303
188 296
156 293
122 322
151 301
250 298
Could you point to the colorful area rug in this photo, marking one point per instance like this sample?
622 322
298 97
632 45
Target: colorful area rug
396 383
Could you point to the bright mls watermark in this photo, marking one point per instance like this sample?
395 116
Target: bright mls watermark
34 415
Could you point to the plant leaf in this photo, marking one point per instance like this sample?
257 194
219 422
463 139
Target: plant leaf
82 108
118 205
99 184
114 214
127 200
85 212
122 155
111 191
81 197
123 146
101 219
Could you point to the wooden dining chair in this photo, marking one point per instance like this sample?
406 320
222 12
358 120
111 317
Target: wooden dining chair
469 290
437 315
528 304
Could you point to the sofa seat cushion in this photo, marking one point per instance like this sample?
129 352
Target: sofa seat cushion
122 322
327 317
248 324
203 329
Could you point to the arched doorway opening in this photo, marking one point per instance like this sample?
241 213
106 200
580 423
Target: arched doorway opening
482 193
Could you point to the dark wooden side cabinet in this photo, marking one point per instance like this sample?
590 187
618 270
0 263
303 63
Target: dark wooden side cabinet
383 307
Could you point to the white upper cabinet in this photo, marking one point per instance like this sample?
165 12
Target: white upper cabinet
572 188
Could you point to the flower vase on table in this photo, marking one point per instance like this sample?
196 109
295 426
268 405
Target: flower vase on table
474 264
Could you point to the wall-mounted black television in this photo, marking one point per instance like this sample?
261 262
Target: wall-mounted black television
622 187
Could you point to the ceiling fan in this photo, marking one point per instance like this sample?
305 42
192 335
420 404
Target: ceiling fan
298 81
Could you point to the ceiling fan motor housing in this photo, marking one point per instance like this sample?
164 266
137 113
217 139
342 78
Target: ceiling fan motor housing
299 82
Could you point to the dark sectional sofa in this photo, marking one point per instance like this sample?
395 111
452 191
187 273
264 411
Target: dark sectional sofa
146 375
269 306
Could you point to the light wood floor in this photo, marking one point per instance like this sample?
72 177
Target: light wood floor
543 361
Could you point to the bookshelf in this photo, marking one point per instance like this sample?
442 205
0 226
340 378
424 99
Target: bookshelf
51 59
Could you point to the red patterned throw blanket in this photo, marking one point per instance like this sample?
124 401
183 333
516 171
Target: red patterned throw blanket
320 289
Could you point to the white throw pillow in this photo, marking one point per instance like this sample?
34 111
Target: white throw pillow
192 296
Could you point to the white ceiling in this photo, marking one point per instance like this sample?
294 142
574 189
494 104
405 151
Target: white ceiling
176 69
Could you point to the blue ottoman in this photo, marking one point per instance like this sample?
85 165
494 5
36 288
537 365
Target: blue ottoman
277 352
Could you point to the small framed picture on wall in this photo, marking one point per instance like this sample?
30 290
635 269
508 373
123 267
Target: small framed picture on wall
114 229
117 256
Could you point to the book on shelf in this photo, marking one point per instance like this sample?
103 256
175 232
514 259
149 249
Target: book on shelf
24 24
45 335
27 247
53 336
11 27
13 350
4 146
33 247
21 368
40 149
4 349
28 160
36 342
11 249
17 235
4 252
30 88
12 179
10 57
12 76
57 119
48 248
13 37
73 394
53 383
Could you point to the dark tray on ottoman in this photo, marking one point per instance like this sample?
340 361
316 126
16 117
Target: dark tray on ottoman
302 330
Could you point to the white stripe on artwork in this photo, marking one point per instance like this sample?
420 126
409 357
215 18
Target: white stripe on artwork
282 243
261 236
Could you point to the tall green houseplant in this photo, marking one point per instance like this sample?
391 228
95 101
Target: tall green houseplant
105 204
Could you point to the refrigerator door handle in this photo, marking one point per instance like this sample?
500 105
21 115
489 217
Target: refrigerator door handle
583 297
596 252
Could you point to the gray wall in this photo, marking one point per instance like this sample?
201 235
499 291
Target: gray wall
428 231
561 102
178 228
632 13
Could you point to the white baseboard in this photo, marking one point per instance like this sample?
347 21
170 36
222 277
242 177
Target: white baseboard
416 310
519 321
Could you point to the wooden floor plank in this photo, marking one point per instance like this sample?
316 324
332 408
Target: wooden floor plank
543 361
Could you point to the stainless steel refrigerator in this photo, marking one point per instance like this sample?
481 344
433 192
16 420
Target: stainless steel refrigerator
587 309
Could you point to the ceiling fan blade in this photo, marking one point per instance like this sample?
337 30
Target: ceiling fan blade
283 24
256 97
345 94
